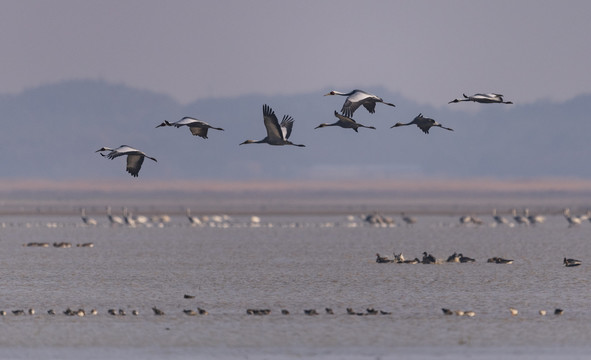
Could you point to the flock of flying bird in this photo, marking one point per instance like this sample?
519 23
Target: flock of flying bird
279 133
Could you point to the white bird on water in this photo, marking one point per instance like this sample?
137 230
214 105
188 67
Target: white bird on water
194 220
135 157
345 122
129 220
114 219
356 98
534 219
197 127
87 220
483 99
520 219
572 220
499 219
423 123
408 219
277 134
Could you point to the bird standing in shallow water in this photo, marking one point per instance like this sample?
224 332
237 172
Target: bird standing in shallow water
423 123
572 220
197 127
408 219
87 220
356 98
345 122
277 134
499 220
135 157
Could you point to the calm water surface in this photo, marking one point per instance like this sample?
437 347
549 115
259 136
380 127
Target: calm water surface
293 263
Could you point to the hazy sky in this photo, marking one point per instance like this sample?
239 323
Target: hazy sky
429 51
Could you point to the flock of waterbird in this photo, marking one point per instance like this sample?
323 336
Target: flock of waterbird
525 218
279 133
454 258
375 219
81 312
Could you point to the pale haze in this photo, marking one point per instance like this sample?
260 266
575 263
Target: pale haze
428 51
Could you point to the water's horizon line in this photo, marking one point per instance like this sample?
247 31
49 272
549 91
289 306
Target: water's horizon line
403 184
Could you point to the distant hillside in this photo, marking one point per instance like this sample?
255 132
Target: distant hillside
51 132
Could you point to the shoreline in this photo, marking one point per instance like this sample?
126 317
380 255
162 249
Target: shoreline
412 196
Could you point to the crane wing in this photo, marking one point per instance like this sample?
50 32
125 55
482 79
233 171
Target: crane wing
286 126
349 107
189 121
274 131
120 151
370 106
199 131
134 164
424 126
347 121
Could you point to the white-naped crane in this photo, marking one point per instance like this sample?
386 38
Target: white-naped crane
114 219
356 98
499 220
277 134
127 216
135 157
87 220
520 219
571 219
534 219
490 98
345 122
408 219
423 123
194 220
197 127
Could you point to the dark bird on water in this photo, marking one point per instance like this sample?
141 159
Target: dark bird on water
571 262
157 311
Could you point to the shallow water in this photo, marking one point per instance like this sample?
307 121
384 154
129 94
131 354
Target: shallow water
294 263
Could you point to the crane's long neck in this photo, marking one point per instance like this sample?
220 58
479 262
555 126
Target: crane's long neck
334 92
324 125
401 124
263 141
